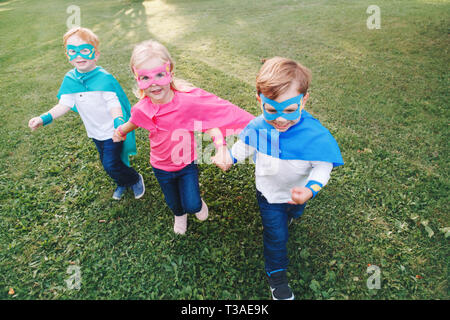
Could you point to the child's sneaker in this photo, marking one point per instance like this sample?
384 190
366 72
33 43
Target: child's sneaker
138 188
118 193
203 213
180 225
279 285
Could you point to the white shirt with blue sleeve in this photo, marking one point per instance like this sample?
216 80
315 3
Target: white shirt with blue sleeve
94 108
276 177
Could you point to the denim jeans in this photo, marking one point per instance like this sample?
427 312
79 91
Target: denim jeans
181 189
109 153
275 218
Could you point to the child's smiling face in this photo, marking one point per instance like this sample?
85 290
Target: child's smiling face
159 94
281 124
82 64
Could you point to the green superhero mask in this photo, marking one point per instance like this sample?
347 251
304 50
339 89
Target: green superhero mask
86 51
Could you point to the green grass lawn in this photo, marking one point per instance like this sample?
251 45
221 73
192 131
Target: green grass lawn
384 94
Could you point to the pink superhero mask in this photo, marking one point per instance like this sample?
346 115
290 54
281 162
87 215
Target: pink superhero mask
160 76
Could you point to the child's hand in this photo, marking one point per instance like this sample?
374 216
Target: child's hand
35 123
222 159
117 137
300 195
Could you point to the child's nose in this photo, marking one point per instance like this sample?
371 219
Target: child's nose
281 120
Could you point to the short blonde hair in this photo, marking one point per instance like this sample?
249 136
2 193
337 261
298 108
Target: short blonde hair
85 34
153 49
277 74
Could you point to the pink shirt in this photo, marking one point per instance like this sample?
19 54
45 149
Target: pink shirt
171 126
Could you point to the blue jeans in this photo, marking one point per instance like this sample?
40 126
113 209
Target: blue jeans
275 218
181 189
109 153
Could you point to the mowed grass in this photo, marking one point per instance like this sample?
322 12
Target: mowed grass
382 93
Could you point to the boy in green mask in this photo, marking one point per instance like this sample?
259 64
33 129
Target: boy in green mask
102 105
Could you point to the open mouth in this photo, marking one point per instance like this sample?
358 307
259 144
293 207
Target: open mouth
156 91
281 127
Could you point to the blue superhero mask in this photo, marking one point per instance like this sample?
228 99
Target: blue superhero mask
280 106
86 51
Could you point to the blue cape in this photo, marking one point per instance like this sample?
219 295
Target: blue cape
306 140
100 80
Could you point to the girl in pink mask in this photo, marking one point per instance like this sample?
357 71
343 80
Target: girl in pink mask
171 110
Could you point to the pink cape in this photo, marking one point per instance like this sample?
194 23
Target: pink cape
196 110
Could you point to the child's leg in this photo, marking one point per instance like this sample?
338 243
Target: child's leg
169 185
99 146
109 152
275 234
294 211
189 189
168 182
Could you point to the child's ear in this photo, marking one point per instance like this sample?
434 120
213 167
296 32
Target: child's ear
305 98
97 55
258 98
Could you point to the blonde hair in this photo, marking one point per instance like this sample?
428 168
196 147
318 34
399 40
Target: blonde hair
277 74
153 49
85 34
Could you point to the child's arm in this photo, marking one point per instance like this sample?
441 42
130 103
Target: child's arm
239 152
121 132
114 108
116 112
222 158
300 195
318 178
46 118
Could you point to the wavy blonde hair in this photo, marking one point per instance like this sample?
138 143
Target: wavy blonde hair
277 74
153 49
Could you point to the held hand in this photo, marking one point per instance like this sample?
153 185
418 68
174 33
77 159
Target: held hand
222 159
35 123
300 195
117 137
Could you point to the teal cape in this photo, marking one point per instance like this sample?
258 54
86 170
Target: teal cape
100 80
306 140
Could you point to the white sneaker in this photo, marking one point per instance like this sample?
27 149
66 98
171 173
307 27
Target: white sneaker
180 225
202 215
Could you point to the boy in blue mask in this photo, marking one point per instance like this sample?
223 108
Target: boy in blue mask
102 105
294 155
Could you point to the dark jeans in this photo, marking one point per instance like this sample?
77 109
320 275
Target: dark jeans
109 152
275 218
181 189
